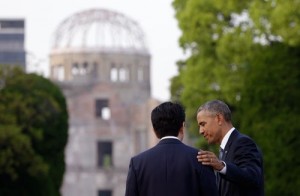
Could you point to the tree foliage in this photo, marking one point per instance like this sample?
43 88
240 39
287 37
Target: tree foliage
269 112
33 134
247 54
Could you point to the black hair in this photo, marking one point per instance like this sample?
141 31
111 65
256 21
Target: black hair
167 119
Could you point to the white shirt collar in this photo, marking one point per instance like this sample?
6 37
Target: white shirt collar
169 137
226 137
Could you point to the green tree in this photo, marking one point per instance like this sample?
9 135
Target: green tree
33 134
247 54
269 112
219 47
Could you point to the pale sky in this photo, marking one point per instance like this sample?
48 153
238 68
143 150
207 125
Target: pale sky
156 18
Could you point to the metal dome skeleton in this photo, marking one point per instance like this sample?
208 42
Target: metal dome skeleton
99 29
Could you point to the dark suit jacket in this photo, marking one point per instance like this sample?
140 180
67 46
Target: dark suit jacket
169 169
244 176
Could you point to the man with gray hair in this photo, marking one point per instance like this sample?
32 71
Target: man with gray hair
239 167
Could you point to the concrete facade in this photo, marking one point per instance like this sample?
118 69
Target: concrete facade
121 80
106 82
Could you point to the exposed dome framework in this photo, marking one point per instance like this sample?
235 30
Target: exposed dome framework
99 29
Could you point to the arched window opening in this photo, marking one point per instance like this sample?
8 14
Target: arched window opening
113 74
123 74
84 68
60 73
75 69
102 109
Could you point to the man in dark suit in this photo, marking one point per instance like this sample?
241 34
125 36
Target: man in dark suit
239 167
170 168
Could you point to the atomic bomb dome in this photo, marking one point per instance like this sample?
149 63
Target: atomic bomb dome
99 44
99 29
100 60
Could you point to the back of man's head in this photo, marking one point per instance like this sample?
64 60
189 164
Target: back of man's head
167 119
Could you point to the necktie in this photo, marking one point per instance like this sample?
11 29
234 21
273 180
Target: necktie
221 152
218 178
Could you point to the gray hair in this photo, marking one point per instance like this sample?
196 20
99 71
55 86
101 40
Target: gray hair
216 107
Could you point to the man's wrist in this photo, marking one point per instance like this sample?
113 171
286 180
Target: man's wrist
224 168
221 165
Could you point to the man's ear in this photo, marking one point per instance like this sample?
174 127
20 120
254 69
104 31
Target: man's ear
181 132
220 118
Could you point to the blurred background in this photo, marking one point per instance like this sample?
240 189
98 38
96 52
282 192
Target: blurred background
78 82
155 19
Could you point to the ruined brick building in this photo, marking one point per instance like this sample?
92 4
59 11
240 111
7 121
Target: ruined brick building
100 60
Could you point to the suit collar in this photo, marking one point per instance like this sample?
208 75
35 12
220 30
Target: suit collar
226 138
170 141
231 138
169 137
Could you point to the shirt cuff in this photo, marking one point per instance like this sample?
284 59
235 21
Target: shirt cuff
223 171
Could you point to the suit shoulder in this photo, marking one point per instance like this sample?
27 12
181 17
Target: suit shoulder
244 141
242 138
190 148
